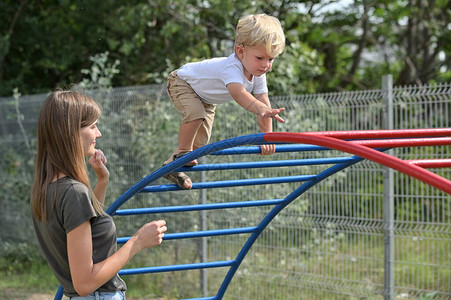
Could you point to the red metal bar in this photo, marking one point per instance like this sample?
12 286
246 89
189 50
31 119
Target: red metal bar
409 142
364 152
431 163
377 134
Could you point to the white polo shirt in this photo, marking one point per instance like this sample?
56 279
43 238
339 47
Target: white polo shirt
209 78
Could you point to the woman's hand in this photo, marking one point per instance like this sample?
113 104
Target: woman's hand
151 234
98 162
87 276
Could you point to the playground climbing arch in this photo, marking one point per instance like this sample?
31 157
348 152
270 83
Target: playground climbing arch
369 145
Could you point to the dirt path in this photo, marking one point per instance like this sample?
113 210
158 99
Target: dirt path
13 294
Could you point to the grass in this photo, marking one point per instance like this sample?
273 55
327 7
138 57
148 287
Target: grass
277 273
20 280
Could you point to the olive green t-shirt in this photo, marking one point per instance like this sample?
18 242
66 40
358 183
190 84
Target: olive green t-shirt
72 207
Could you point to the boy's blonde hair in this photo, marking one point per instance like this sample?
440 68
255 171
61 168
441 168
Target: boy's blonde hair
261 29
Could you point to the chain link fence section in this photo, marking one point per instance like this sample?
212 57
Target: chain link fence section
329 244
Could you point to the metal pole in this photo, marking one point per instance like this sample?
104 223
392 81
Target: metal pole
388 203
203 225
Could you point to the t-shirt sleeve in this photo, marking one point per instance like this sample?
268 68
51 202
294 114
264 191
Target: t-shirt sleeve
77 207
232 73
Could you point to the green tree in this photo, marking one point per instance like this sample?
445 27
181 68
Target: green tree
331 45
365 39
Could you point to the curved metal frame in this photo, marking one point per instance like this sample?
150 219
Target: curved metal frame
359 143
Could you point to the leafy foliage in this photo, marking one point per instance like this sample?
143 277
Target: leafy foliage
331 45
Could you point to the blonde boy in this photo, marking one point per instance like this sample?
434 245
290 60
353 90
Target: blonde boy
196 88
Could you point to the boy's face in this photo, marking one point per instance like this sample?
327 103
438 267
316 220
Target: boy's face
255 60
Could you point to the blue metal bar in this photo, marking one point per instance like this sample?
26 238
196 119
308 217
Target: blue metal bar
59 293
203 298
196 207
272 214
227 147
228 183
280 148
265 164
197 234
205 150
171 268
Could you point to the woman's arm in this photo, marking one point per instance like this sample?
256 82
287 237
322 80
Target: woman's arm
87 276
98 162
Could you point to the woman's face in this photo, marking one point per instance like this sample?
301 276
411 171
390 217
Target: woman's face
89 134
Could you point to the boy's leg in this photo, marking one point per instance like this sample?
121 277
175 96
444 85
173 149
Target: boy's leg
187 133
204 131
188 103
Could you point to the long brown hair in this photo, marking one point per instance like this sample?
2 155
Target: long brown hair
60 147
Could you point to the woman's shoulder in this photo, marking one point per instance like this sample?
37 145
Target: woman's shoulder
69 184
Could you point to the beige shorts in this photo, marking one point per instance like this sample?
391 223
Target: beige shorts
189 104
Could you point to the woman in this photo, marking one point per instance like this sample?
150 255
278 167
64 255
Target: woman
77 237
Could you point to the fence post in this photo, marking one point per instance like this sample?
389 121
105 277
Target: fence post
203 225
388 202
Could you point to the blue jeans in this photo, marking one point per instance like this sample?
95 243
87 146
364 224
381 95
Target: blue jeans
118 295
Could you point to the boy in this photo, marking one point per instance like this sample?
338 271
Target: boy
196 88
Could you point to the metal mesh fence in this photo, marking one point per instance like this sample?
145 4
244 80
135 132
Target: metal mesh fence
328 244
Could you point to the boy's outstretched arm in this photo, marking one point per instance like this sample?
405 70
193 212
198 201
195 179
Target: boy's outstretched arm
252 104
265 123
261 106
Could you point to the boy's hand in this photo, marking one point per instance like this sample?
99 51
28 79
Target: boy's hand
267 149
274 113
